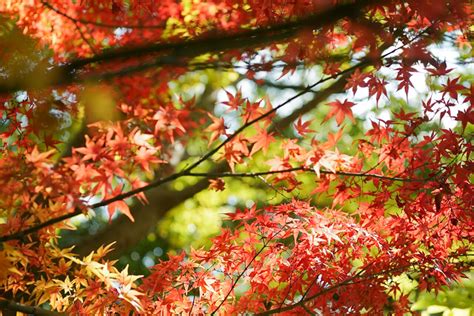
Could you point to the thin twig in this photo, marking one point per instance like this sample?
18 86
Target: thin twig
265 244
305 169
239 277
101 24
348 281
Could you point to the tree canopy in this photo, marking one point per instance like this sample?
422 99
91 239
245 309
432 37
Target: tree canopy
261 157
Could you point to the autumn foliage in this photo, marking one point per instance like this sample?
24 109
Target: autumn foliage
93 117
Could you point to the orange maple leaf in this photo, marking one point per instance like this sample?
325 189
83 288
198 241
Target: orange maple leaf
217 128
216 184
120 206
340 110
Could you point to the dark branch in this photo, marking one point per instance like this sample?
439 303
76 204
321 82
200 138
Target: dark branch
169 61
69 73
304 169
31 310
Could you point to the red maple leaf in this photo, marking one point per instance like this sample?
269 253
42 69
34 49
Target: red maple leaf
120 206
340 110
356 80
303 128
217 128
470 95
465 117
261 140
235 101
452 87
440 70
217 184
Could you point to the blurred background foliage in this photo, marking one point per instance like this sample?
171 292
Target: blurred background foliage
197 220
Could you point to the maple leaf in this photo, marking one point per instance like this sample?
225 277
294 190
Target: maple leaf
50 141
470 95
303 128
120 206
217 184
333 138
235 101
465 117
217 128
235 150
332 161
253 111
404 75
440 70
377 87
277 164
146 157
340 110
93 150
261 140
356 80
142 139
38 157
452 87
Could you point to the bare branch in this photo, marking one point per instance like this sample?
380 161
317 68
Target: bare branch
305 169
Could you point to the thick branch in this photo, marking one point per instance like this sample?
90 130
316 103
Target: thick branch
69 73
31 310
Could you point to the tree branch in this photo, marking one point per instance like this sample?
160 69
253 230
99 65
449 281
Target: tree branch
247 266
68 73
173 61
349 281
31 310
100 24
305 169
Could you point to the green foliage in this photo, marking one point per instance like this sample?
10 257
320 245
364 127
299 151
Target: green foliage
457 300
